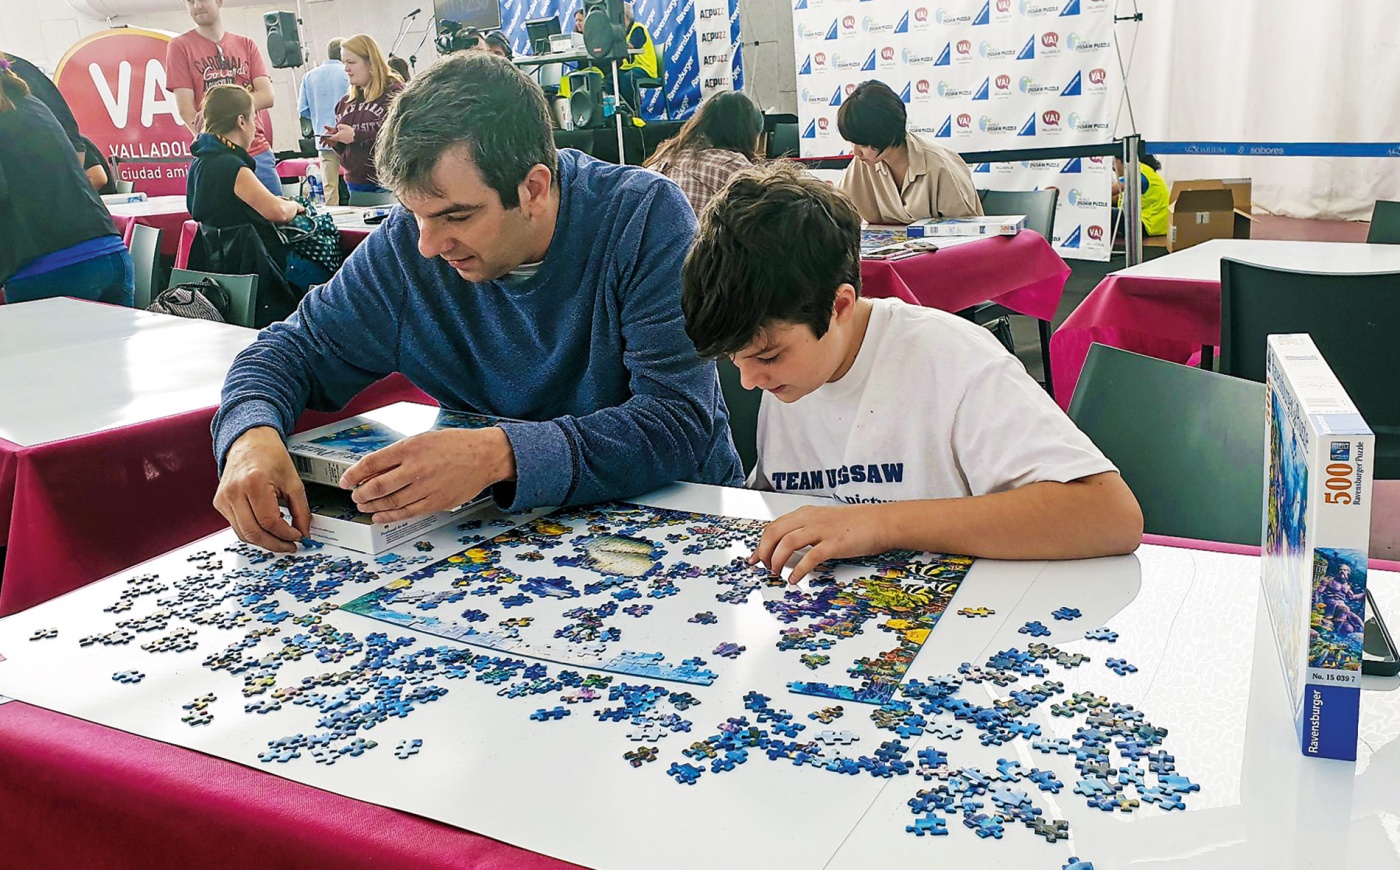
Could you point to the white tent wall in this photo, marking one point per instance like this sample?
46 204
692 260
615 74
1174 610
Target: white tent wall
1275 71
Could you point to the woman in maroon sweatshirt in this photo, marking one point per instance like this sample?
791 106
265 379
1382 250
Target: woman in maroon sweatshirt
360 113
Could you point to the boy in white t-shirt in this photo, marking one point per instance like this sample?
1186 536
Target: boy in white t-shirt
929 434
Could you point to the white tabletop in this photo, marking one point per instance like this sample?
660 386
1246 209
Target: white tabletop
73 368
172 204
1202 262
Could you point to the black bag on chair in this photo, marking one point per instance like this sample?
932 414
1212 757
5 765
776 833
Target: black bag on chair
240 250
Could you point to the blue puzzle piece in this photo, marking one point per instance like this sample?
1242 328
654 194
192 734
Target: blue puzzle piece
686 774
1121 667
543 715
1066 613
1034 629
929 824
1104 634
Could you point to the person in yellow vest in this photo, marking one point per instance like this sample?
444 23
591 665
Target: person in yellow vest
1155 196
642 65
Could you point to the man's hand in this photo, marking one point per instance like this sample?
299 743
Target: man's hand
836 532
434 471
258 474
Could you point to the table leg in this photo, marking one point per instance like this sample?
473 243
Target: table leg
1208 357
1044 326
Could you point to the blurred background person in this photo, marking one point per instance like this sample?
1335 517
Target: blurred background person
321 90
360 113
57 238
717 141
899 177
400 66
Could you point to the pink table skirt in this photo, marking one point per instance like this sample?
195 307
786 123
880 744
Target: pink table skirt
75 794
77 510
1166 318
1021 272
169 223
295 167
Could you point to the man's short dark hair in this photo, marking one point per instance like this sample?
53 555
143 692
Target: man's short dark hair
473 99
773 247
873 115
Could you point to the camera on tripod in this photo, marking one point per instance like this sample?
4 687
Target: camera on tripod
452 36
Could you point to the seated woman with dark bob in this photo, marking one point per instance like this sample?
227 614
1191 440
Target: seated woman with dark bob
717 141
898 177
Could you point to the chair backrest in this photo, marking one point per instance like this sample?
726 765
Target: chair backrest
126 186
242 292
660 80
365 197
1352 318
1385 223
1188 442
145 257
743 412
1037 205
784 141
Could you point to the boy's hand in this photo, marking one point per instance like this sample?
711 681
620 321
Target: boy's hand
831 533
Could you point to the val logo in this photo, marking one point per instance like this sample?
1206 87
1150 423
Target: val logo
1027 50
1050 39
1071 8
945 130
1072 240
1003 82
831 31
811 131
1096 233
903 25
1071 165
904 95
944 56
1050 118
985 16
1028 128
1097 76
982 92
1074 88
869 61
806 68
836 97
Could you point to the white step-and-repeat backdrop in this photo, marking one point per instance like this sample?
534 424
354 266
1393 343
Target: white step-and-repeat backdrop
978 75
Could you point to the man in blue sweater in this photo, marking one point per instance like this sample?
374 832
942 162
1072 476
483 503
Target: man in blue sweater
516 281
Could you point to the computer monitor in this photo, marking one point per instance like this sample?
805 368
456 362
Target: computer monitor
538 31
482 14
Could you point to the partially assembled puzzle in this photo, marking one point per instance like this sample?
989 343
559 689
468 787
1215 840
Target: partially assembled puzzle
628 639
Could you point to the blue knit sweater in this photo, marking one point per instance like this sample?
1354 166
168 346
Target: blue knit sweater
591 348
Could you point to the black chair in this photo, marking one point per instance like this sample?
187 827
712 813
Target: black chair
1039 208
1188 442
743 412
1385 223
644 83
1353 319
783 141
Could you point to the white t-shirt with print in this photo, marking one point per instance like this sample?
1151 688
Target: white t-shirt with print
933 407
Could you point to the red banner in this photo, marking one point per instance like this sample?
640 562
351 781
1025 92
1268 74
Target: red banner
114 82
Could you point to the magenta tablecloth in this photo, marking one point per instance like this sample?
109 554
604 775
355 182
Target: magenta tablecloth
1021 272
168 214
77 510
1166 318
75 794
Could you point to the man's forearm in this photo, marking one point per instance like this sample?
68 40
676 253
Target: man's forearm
1096 516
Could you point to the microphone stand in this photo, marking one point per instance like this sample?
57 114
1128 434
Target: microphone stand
413 58
403 30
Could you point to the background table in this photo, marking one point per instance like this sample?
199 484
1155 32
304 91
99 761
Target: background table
105 453
166 213
77 794
1169 308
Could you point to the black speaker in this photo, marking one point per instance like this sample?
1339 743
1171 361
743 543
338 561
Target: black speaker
586 99
283 40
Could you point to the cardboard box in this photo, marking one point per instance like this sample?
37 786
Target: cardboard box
1241 193
1196 216
336 520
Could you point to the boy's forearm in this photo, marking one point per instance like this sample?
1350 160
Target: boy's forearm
1096 516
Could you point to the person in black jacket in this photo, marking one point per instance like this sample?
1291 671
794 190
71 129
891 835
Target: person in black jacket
58 238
